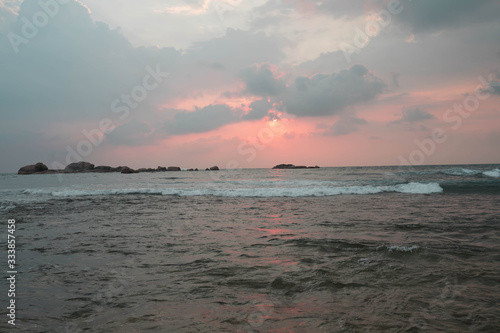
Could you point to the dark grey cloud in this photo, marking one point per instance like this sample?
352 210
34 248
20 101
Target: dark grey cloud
324 95
260 81
132 133
71 68
493 87
348 123
324 63
414 114
425 16
258 110
202 120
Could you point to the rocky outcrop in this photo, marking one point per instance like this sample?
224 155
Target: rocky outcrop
127 170
117 169
82 167
79 167
102 168
291 166
34 168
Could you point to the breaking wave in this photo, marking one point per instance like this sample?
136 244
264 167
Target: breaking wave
318 191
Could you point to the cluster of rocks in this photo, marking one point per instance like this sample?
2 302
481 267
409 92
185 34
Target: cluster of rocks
291 166
86 167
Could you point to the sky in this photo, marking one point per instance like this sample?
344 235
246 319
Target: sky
249 84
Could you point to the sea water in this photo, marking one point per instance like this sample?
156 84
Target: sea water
365 249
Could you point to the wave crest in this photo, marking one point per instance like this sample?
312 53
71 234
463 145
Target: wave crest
319 191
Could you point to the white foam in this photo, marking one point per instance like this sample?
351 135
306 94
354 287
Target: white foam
79 193
492 173
461 172
6 206
224 191
401 248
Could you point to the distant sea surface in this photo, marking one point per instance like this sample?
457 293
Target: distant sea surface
359 249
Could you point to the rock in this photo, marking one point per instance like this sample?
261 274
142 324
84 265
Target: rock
142 170
196 169
207 169
190 170
127 170
173 168
291 166
79 167
102 168
214 168
159 168
30 169
117 169
284 166
313 167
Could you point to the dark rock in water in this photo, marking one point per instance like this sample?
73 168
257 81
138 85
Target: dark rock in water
102 168
291 166
284 166
30 169
79 167
207 169
190 170
127 170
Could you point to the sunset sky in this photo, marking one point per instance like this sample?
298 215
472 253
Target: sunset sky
236 83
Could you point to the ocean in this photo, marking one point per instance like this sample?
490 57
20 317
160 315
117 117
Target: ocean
351 249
